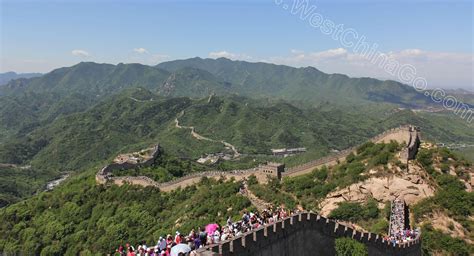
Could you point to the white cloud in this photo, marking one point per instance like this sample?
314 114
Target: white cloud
140 50
329 54
80 53
229 55
148 59
157 58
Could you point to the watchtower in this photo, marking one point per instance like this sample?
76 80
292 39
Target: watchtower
271 169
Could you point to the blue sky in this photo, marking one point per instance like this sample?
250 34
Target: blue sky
38 36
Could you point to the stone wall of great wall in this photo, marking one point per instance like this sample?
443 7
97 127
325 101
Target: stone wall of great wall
305 234
300 234
104 175
407 134
400 134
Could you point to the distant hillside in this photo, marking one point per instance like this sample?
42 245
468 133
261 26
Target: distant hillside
193 82
27 103
76 117
301 84
72 89
8 76
137 118
463 95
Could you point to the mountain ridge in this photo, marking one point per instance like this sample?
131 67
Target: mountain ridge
11 75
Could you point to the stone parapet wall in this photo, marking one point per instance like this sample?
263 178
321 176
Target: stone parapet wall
305 234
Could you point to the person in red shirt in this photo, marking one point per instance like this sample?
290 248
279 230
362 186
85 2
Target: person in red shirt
130 252
177 238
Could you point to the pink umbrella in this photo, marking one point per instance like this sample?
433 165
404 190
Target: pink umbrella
210 228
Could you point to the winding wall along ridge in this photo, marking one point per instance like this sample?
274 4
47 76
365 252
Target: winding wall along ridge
400 134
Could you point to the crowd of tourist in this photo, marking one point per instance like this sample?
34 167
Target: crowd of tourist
206 235
397 232
214 233
403 236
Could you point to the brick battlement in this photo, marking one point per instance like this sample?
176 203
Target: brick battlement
305 234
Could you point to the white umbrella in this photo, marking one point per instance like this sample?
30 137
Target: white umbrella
180 248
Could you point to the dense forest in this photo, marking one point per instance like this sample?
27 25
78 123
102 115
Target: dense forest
83 217
137 118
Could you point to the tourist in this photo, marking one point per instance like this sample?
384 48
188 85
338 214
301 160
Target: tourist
203 236
216 236
253 220
120 251
177 238
161 244
131 252
197 242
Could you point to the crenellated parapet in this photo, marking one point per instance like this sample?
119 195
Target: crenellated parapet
305 234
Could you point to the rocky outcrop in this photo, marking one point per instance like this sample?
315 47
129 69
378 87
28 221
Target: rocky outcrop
412 186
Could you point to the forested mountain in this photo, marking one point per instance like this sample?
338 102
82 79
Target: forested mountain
75 119
28 103
307 84
193 82
77 116
8 76
25 103
137 118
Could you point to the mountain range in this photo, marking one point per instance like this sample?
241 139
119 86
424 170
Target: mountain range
77 117
27 102
8 76
74 120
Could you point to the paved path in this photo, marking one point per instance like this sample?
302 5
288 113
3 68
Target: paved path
137 100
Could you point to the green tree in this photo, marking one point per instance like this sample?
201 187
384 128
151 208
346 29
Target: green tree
350 247
347 211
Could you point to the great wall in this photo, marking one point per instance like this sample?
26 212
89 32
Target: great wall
300 234
403 134
306 234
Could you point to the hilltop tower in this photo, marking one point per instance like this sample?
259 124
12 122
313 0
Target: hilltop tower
270 169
